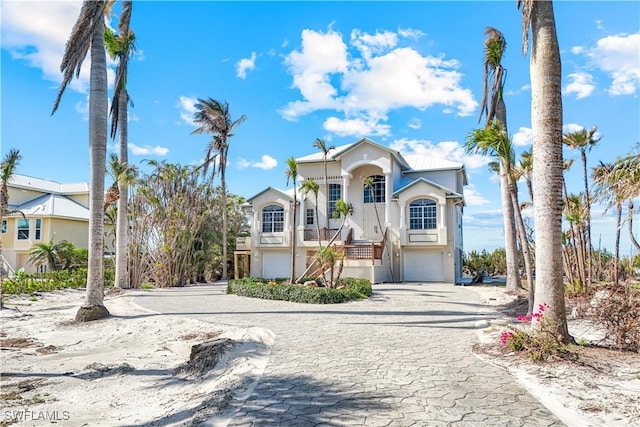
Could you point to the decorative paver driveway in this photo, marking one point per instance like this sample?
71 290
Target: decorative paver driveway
401 358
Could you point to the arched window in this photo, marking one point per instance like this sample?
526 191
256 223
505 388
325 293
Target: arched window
374 189
422 214
273 219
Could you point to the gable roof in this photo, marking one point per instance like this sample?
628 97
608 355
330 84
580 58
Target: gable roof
54 205
406 184
337 152
47 186
286 194
421 162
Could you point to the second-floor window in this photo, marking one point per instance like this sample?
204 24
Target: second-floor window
38 228
335 194
374 189
273 219
309 217
4 226
23 229
422 215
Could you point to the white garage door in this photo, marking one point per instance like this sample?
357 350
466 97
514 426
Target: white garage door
276 264
423 266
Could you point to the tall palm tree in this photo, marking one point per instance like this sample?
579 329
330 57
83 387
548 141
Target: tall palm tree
310 186
584 140
546 124
214 117
493 140
292 174
322 146
120 48
7 169
88 35
494 107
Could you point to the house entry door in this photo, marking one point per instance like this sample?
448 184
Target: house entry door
370 226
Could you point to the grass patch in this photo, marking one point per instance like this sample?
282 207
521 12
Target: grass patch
350 289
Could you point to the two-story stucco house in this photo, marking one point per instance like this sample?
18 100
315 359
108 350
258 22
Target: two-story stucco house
406 223
52 211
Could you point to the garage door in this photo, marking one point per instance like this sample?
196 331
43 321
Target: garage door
423 266
276 264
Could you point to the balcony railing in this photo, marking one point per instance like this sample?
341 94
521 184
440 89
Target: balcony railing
311 234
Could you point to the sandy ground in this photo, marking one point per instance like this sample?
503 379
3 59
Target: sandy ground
80 374
594 387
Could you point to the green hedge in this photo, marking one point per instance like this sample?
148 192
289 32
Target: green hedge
354 289
26 283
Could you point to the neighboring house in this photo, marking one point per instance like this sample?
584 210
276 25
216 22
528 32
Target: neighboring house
407 226
53 211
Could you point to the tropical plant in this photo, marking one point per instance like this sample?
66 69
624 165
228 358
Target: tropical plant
88 35
310 186
493 140
368 184
52 254
546 125
292 174
322 146
494 107
213 117
584 140
120 48
7 169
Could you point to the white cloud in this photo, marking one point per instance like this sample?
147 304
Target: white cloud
523 137
148 150
266 163
571 127
618 57
244 65
370 77
410 33
472 197
415 123
581 84
37 33
356 126
448 150
187 108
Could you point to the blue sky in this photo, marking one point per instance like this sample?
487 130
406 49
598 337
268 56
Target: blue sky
407 75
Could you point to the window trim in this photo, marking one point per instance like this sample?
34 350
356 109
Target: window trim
334 189
310 217
424 221
379 191
23 229
272 211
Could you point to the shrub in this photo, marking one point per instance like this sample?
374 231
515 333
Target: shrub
26 283
537 344
617 308
353 289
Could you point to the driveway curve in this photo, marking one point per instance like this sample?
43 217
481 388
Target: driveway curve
400 358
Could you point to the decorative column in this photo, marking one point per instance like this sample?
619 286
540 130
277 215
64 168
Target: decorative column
388 192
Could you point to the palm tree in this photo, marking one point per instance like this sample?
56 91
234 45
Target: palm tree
368 183
584 140
292 173
52 254
493 140
322 146
526 167
214 118
7 169
88 34
493 106
608 189
313 187
120 48
546 124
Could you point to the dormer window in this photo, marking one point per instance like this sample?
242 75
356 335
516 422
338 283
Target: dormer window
374 189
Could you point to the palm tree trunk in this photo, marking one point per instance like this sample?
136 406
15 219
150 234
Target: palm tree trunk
513 190
587 220
223 184
630 225
93 307
616 255
294 235
546 121
122 224
511 248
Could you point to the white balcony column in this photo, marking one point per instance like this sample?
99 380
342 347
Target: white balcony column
388 192
345 187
